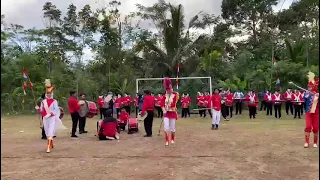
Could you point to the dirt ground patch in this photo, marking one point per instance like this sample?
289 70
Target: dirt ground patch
242 149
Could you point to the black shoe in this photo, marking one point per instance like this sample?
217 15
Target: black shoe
74 136
213 127
217 127
85 132
54 136
44 138
147 136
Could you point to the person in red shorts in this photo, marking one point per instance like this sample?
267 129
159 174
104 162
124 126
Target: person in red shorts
123 118
108 127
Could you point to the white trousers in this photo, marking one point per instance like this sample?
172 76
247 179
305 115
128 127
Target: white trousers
49 126
216 116
169 124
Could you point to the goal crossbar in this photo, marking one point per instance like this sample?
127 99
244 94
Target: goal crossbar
150 79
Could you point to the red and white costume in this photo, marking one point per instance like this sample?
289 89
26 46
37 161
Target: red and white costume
311 99
169 108
201 100
50 112
186 101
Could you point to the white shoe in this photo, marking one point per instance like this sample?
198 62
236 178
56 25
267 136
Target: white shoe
315 145
167 143
306 145
172 141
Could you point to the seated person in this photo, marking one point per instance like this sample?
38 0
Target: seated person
108 127
123 118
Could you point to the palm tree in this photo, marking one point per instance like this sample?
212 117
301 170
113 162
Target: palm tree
175 46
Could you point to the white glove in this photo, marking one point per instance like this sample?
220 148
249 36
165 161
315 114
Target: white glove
37 107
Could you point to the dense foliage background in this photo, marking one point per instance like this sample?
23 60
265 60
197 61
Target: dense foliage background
123 51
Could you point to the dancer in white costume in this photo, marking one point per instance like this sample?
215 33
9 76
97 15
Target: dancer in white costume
50 112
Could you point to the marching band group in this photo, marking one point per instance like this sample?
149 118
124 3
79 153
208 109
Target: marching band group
220 102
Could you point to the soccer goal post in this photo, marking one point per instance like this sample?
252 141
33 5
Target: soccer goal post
180 78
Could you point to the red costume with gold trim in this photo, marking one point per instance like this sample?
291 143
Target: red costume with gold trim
169 108
311 98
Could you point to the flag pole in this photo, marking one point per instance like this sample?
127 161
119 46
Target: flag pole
272 57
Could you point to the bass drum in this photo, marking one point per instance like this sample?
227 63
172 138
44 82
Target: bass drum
92 109
61 112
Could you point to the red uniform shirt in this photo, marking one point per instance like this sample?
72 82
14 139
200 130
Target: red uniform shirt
297 97
148 103
255 100
73 105
186 102
109 129
215 102
268 97
118 102
288 96
123 117
126 101
157 100
100 102
276 98
229 99
201 100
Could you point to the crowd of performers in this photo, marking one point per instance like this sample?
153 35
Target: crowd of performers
221 102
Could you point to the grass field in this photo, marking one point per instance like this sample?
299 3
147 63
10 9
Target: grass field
264 148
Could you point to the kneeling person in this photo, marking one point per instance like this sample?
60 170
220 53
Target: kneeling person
123 118
108 127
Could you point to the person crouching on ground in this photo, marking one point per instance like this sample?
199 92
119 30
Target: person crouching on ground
108 127
123 117
215 103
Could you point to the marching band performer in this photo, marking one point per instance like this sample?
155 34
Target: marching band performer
288 97
229 103
127 100
277 99
297 103
269 103
169 108
311 98
157 104
238 96
100 104
118 104
185 105
215 104
252 104
50 112
183 109
224 108
207 98
201 104
136 104
189 100
148 107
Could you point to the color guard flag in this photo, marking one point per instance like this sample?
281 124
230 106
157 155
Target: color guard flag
25 79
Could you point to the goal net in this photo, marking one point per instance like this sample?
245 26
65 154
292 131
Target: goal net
190 85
